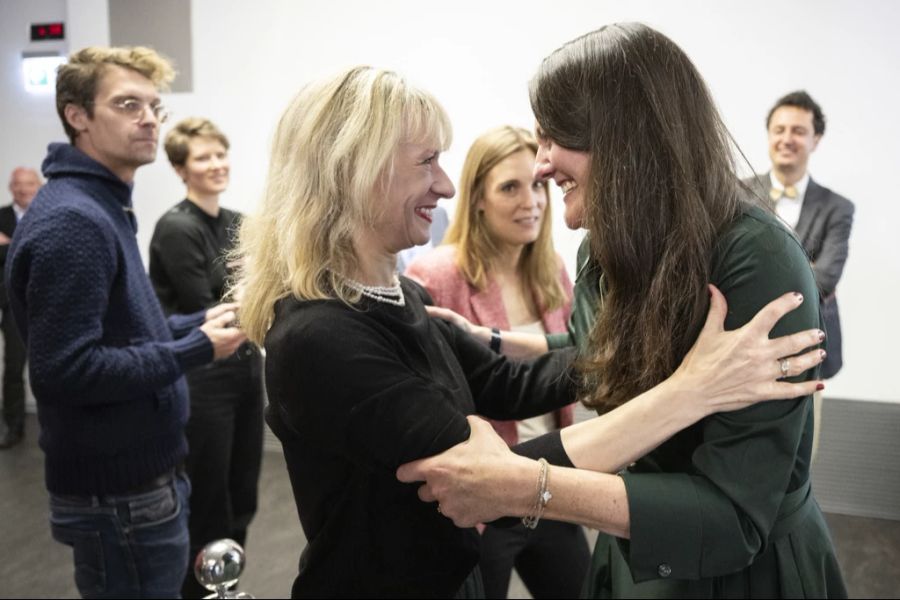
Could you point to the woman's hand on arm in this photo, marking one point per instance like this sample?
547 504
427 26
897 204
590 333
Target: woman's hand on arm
724 370
475 481
730 370
513 344
481 480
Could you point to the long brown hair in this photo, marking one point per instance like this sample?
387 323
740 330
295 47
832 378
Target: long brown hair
662 188
539 263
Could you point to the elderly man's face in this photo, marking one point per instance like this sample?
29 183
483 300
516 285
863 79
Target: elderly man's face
24 184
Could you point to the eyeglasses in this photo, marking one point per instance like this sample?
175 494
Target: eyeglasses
134 109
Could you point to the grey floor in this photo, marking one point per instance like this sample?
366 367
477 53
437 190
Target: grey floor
32 565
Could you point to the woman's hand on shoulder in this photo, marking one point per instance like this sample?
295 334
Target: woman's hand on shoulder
479 332
730 370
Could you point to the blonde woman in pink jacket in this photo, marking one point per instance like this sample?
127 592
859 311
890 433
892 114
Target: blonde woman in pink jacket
498 268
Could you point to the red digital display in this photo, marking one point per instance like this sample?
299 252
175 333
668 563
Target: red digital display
47 31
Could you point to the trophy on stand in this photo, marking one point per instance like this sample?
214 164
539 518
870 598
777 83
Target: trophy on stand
218 567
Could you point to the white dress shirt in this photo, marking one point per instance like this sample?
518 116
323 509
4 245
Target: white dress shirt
789 208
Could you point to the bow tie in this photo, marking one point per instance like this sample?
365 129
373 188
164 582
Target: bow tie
776 194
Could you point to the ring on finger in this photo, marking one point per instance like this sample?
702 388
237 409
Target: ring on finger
439 509
785 367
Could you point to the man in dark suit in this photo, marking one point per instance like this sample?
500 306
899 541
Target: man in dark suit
821 218
23 184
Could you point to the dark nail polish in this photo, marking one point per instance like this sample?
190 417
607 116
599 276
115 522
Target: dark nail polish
799 296
820 387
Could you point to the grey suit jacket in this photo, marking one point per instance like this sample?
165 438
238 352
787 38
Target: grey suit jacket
824 231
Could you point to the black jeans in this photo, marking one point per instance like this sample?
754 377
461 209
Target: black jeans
552 560
13 374
225 437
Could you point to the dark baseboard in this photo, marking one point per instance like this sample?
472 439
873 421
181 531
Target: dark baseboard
857 470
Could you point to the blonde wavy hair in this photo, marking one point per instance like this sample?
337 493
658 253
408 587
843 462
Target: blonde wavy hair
476 248
77 80
333 150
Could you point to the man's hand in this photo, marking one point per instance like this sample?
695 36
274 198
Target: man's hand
4 239
225 339
221 309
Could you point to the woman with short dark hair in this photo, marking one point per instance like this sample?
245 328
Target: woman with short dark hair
189 271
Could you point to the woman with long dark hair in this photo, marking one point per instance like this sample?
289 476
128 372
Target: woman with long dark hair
629 131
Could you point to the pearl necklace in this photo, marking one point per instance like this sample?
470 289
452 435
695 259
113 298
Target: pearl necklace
387 294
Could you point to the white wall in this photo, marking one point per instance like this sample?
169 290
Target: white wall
477 58
27 121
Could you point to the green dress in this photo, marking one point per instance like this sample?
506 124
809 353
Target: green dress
585 300
724 509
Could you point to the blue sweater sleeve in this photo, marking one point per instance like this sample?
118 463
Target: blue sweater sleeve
78 347
181 325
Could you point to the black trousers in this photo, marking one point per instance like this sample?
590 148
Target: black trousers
225 438
552 559
13 374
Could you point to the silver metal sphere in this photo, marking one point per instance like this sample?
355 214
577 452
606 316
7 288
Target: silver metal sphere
219 565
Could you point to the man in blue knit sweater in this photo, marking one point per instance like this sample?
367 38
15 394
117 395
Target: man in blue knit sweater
106 365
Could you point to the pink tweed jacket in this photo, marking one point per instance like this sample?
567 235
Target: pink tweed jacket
438 273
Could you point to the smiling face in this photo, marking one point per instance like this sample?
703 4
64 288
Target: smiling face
792 139
113 138
403 219
570 169
513 203
206 169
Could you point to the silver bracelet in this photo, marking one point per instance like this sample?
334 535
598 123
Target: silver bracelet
543 496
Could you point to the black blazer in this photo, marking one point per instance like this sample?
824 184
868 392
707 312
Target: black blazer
824 230
7 226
